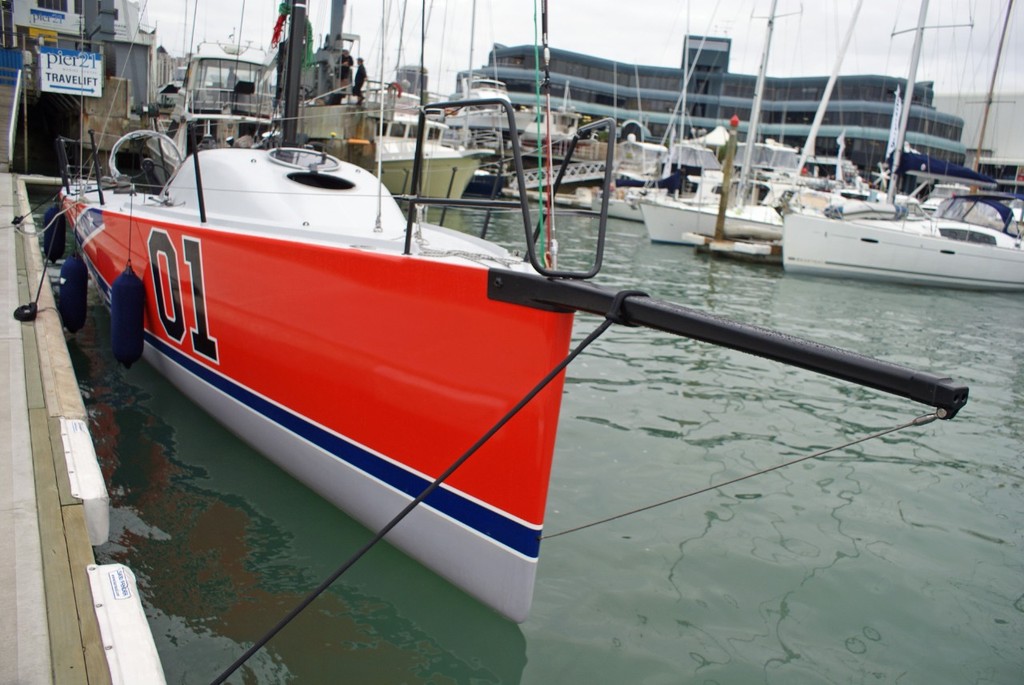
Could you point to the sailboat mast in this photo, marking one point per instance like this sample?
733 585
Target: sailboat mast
992 86
472 33
293 75
686 76
908 101
819 116
755 114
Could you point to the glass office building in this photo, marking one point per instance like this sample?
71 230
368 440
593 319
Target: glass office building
861 107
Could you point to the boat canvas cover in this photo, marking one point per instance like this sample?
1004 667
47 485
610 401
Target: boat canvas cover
916 164
957 208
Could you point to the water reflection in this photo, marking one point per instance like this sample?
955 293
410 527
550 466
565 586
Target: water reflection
224 544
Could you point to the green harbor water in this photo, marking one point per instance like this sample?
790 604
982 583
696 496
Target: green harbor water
900 560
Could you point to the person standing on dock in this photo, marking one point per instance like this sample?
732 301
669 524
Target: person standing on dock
345 71
360 79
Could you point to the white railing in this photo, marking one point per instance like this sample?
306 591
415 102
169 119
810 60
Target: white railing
574 173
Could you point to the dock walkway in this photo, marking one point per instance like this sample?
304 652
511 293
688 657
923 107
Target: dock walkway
51 591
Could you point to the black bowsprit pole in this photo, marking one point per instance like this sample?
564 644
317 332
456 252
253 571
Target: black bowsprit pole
530 290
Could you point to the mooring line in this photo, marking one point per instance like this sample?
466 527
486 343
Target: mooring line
922 420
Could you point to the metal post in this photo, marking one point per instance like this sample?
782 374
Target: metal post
451 182
723 200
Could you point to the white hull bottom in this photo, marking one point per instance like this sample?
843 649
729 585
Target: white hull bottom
668 223
881 252
493 573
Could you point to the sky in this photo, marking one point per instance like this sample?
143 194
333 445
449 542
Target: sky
958 49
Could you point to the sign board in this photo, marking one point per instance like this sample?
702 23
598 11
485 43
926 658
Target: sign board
53 20
72 24
71 72
46 34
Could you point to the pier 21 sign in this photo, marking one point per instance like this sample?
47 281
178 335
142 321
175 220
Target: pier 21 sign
71 72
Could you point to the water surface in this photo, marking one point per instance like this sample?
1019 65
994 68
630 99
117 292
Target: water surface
897 560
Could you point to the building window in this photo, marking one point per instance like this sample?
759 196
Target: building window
58 5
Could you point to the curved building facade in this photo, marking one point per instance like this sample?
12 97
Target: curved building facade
860 108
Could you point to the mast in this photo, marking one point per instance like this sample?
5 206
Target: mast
755 113
908 97
686 78
293 74
992 86
819 116
472 33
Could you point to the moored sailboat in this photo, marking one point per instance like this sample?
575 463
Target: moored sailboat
364 350
968 243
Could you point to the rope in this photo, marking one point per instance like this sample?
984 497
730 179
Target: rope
922 420
17 220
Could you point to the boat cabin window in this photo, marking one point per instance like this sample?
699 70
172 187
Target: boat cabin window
219 83
978 237
979 211
967 235
397 130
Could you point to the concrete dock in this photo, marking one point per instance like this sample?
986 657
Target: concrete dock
54 615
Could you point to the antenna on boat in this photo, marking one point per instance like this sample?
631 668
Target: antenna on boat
96 166
199 177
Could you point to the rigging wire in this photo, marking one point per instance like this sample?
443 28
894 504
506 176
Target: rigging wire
678 108
121 80
922 420
548 194
615 315
384 14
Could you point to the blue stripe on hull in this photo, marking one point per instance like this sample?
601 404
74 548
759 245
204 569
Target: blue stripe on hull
508 532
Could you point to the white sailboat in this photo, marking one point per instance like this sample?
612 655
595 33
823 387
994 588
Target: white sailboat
771 180
670 220
971 242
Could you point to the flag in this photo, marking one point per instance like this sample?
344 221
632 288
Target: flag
894 126
839 158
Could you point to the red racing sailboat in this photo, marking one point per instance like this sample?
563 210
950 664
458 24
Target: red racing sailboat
363 350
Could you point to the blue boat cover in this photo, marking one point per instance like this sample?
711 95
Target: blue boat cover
916 164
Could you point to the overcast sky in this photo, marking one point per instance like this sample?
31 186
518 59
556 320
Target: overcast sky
806 38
